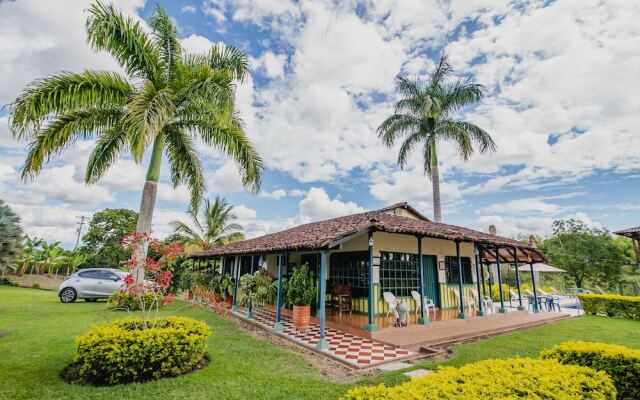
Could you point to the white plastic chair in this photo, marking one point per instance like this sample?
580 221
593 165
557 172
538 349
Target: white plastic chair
428 303
391 301
486 300
466 301
514 297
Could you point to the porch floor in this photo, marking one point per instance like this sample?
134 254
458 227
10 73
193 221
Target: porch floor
353 350
444 326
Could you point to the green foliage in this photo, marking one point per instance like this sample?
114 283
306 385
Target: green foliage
10 236
516 378
36 285
169 98
123 301
587 254
621 363
301 289
5 280
216 227
122 352
103 241
611 305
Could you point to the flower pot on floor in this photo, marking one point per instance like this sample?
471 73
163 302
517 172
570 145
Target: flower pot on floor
228 301
301 317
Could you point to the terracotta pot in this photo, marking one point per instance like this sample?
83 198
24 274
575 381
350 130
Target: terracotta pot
228 301
189 295
301 316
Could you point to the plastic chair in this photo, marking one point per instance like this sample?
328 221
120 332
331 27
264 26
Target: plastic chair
469 302
428 303
391 300
486 300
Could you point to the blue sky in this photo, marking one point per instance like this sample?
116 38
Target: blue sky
560 108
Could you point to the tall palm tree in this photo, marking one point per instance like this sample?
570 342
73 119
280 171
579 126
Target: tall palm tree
426 115
217 226
169 100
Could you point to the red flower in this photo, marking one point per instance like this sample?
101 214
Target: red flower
151 265
168 299
163 279
129 279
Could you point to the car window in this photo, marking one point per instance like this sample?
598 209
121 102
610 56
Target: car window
89 274
108 275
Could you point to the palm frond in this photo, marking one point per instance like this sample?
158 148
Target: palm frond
184 163
408 145
124 38
64 130
441 73
63 93
475 134
396 126
205 86
407 88
229 138
184 230
460 94
229 58
428 153
110 146
166 41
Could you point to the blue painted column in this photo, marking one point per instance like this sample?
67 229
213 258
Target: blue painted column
250 310
278 325
461 314
236 277
422 320
515 260
502 308
481 311
371 325
535 291
322 342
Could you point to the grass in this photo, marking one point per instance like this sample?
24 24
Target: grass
40 332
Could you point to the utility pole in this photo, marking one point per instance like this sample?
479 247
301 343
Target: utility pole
79 230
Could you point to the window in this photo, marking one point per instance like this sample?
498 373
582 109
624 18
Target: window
93 274
106 275
451 269
399 273
350 268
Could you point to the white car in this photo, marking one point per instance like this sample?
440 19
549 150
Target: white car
91 284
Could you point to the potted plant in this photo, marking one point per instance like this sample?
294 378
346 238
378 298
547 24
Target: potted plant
301 292
225 289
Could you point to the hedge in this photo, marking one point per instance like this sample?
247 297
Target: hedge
621 363
499 379
120 301
122 352
612 305
5 280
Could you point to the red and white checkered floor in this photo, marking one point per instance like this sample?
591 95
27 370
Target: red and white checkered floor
354 350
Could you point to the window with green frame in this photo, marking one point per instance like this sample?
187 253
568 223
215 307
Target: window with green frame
451 270
350 268
399 273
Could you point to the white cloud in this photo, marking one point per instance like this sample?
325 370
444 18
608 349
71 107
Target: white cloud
297 193
196 44
243 212
272 64
525 206
59 183
188 8
317 205
223 179
276 194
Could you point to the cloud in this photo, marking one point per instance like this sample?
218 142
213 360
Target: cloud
188 8
60 183
196 44
317 205
276 194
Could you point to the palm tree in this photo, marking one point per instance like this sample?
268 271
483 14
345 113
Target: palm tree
425 115
216 228
168 101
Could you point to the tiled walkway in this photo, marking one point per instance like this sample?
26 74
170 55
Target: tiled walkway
353 350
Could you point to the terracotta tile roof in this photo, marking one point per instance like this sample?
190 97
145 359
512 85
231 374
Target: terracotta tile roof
629 232
317 235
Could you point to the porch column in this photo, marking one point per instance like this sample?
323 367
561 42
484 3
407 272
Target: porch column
461 314
251 271
371 325
278 325
481 311
515 260
535 291
502 308
250 310
236 274
322 342
484 286
422 320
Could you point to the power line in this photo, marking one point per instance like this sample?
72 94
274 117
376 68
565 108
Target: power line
79 229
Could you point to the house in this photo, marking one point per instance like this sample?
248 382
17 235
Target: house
634 235
394 249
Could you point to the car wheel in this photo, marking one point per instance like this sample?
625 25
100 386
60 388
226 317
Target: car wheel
90 300
68 295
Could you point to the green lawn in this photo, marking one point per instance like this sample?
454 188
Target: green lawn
40 334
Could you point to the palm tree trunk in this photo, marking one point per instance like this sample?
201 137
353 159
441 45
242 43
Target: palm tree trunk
435 179
147 204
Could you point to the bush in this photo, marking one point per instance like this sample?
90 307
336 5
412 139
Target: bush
499 379
621 363
123 352
5 280
123 301
301 290
612 305
36 285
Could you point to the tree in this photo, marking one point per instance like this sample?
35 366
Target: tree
52 256
169 100
588 254
215 228
425 115
103 241
10 236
